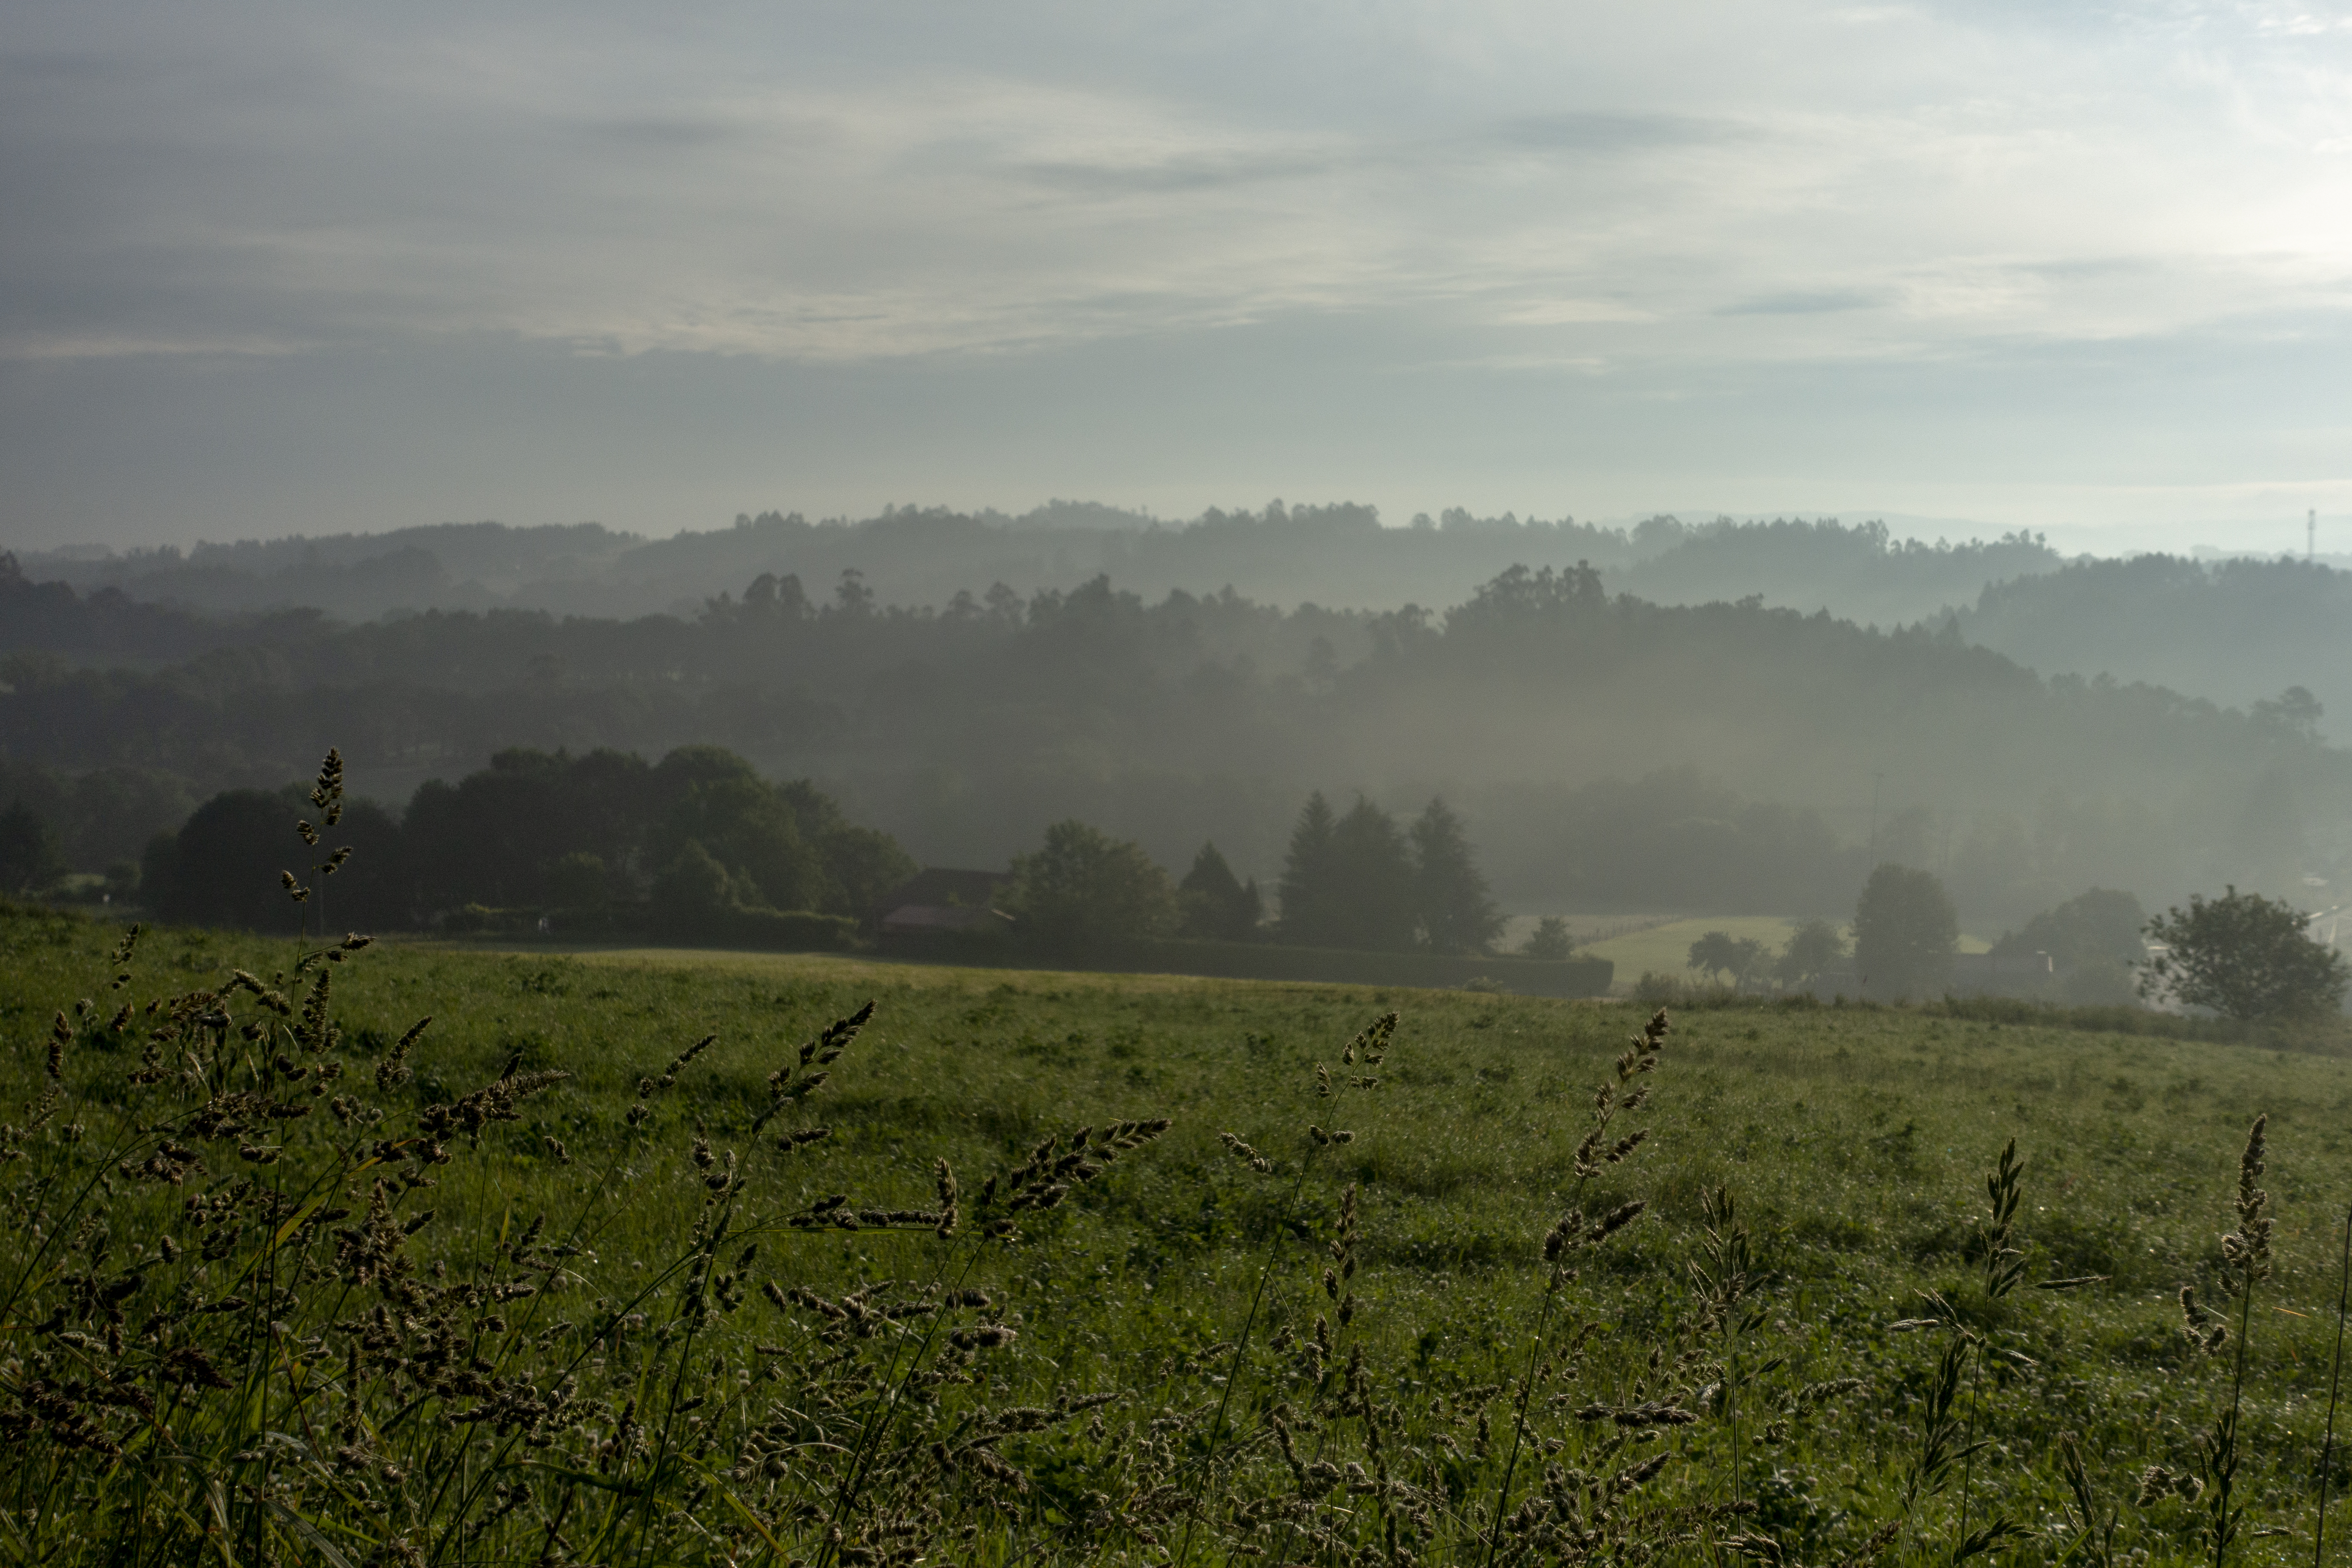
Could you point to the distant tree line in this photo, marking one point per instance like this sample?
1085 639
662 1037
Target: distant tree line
682 846
1588 733
1358 879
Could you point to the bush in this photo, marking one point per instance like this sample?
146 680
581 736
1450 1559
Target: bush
789 930
1549 940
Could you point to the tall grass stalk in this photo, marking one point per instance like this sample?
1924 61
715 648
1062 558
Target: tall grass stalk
1595 1153
1369 1049
2335 1386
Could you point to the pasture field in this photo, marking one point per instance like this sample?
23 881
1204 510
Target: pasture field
1665 948
1187 1285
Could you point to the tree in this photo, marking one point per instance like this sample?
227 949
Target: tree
695 893
1374 881
1813 947
30 856
2293 714
1720 952
1083 884
1216 906
719 801
2244 956
1550 940
222 867
579 881
2093 941
1904 932
1307 887
1349 881
1454 910
860 864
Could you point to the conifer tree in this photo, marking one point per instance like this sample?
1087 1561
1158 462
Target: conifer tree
1373 880
1216 905
1306 887
1455 912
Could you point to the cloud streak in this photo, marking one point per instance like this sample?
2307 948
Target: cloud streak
1675 189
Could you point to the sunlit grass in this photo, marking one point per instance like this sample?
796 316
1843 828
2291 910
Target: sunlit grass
1854 1138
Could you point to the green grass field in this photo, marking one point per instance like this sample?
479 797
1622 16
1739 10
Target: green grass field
1665 948
1854 1140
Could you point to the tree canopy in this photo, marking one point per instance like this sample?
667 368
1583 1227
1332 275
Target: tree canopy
541 830
1361 881
2244 956
1905 933
1083 885
1215 905
1811 949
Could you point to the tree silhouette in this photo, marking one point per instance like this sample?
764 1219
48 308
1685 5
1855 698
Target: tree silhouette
1216 906
1720 952
2244 956
1309 884
1083 884
1811 948
1549 940
1905 933
30 856
1457 915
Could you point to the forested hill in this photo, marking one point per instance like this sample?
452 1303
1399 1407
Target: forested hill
1339 555
1603 747
2234 631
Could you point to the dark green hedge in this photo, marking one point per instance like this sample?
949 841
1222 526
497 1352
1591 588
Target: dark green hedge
767 931
1271 961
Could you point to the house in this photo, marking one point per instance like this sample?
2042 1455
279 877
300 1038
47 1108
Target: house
937 899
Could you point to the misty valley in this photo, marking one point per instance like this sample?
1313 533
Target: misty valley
1051 1075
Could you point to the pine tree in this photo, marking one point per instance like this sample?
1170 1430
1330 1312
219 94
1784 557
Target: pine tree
1217 906
1451 904
1306 891
1372 880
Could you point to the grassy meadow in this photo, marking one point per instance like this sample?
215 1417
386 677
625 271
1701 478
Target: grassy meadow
1664 948
1248 1417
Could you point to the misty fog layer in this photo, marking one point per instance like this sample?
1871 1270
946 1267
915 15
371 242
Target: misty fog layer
2232 631
1607 751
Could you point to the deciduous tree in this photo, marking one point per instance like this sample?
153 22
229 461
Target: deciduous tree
2244 956
1905 933
1082 884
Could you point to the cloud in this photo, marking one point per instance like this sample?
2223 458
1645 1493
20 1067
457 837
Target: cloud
718 191
1680 195
1816 302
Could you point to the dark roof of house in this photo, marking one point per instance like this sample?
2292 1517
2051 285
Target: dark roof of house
939 887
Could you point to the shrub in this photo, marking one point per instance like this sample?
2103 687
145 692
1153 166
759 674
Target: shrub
1550 940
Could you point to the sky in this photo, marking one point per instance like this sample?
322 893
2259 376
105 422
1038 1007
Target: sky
2080 269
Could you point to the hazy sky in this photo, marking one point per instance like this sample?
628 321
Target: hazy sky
2079 267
